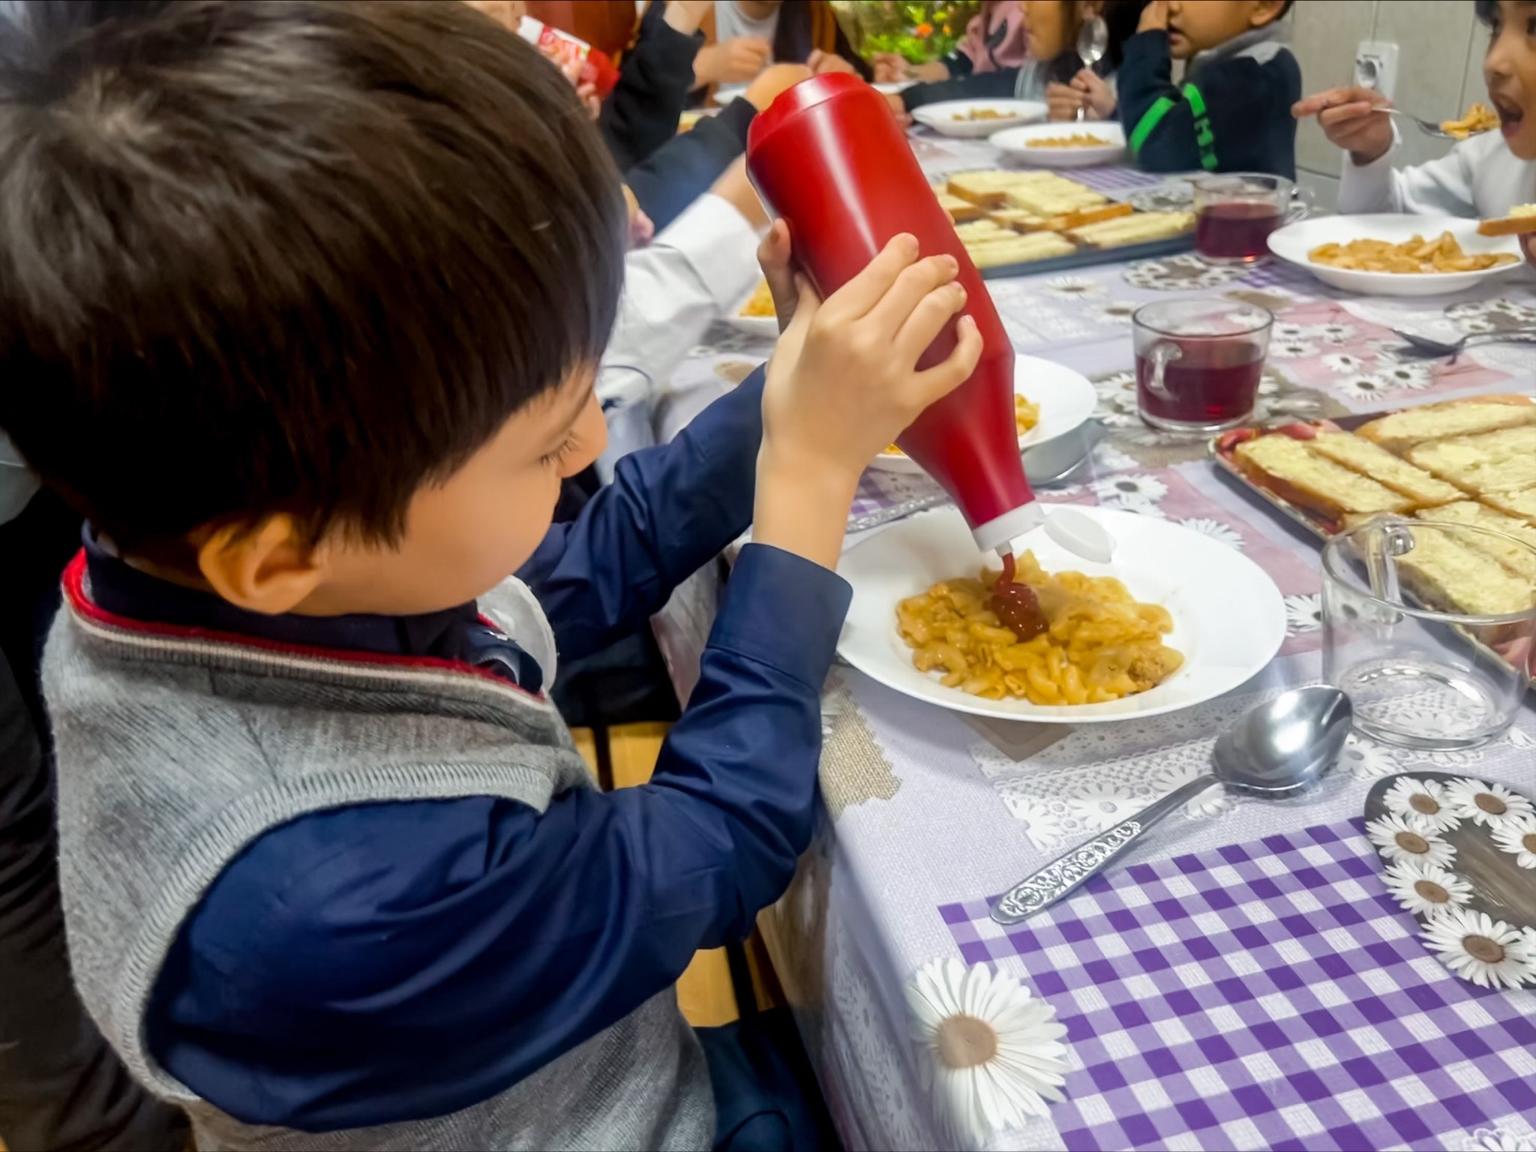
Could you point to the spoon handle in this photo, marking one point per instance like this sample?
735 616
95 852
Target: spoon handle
1065 874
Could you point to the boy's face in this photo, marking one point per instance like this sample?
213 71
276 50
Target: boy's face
466 534
1199 25
1509 70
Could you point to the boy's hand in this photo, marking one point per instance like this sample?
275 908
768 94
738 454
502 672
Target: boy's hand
821 63
1528 246
1062 102
1098 97
1154 17
898 108
843 383
773 256
733 62
1348 118
766 88
890 68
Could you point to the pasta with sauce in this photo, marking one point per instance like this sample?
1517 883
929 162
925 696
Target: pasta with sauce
1099 643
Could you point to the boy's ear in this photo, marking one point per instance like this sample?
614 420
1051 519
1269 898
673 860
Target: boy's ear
1265 12
267 567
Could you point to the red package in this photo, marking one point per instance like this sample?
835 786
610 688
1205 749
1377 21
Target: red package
581 63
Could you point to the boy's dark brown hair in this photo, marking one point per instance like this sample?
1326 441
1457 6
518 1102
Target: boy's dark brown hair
285 255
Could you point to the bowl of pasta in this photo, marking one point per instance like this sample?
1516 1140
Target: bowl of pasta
1176 618
1050 401
1396 255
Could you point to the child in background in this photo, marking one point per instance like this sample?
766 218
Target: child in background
1233 111
1051 32
994 40
1484 176
744 36
330 861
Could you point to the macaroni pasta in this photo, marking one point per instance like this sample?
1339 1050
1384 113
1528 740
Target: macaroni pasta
1100 644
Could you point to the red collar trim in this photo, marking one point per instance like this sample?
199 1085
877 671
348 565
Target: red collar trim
82 605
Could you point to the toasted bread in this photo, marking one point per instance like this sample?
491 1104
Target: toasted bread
1521 220
1488 462
1402 430
1289 469
959 210
1018 248
1519 560
1449 576
1380 465
1520 503
1141 228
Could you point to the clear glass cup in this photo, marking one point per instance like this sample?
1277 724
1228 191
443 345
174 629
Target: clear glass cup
1420 673
1198 363
1236 211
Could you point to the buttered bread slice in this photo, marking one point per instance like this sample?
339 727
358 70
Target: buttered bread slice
1450 576
1290 469
1490 462
1521 503
1520 561
1402 430
1376 462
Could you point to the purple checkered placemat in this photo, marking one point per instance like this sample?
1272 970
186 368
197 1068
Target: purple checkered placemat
1115 178
1263 995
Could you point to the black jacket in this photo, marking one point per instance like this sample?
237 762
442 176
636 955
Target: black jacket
641 113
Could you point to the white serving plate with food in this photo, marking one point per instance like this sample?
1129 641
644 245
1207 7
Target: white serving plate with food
958 118
1295 241
1228 616
1065 397
1024 144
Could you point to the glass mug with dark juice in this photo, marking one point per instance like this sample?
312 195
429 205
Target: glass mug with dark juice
1236 211
1198 363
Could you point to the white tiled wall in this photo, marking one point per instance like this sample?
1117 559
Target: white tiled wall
1439 69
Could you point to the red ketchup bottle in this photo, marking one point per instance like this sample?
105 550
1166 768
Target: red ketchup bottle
829 158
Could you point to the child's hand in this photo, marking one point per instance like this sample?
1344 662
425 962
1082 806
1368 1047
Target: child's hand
1062 102
1098 97
1528 246
773 256
843 383
898 108
1348 118
891 68
821 63
1154 17
641 230
771 81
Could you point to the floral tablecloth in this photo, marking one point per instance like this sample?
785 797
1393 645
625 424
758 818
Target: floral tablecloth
1246 982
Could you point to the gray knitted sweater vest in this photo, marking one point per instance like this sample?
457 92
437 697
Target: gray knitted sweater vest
176 750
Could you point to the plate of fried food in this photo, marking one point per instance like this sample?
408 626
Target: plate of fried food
1064 145
755 315
973 119
1396 255
1175 619
1050 401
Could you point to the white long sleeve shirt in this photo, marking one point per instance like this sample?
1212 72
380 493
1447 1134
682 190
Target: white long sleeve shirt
702 264
1480 178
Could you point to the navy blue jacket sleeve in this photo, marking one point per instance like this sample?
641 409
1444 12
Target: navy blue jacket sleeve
670 510
1248 105
682 169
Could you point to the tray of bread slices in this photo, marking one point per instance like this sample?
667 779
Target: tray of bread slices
1016 222
1469 461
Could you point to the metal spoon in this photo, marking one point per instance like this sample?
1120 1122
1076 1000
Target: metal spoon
1092 44
1435 347
1275 750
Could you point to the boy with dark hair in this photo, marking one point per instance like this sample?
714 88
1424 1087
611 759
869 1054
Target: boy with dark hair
1233 111
303 302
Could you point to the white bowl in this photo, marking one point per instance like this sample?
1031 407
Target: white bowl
1065 397
1294 241
949 118
1228 616
1020 144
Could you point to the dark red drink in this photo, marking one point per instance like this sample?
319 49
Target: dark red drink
1209 384
1235 232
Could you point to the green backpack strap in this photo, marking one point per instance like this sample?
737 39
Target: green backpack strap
1150 120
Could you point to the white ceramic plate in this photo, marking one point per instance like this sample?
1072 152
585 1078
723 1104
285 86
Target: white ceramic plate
1294 241
1066 400
1018 143
1229 619
942 118
764 327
